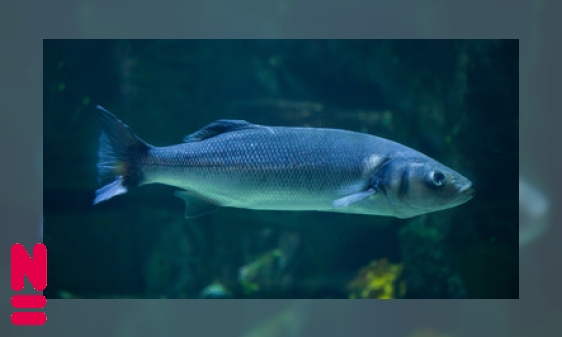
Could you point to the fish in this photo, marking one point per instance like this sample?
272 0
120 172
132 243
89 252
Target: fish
234 163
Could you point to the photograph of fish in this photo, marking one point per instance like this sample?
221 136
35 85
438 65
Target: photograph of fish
238 164
358 169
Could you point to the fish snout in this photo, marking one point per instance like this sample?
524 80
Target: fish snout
466 188
466 191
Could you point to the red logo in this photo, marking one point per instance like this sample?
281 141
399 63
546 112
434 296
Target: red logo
36 270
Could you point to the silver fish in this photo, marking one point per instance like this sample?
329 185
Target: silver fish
234 163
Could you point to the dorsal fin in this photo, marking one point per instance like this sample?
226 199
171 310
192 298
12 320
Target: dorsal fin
218 127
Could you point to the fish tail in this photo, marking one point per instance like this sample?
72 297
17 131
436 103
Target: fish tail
119 153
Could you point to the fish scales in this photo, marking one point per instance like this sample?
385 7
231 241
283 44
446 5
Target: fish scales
296 167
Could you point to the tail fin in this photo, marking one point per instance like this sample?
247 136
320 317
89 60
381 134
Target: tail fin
119 153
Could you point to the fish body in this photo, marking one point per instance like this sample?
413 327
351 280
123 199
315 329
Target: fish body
234 163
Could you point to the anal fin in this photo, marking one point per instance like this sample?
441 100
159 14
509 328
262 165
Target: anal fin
195 204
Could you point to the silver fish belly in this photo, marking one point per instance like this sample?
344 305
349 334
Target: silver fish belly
234 163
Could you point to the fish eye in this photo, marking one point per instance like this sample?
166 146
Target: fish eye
438 178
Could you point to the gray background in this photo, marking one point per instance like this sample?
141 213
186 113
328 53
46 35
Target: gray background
536 23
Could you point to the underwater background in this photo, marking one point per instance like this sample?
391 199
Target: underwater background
454 100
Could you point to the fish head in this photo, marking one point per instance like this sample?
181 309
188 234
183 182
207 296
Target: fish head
420 185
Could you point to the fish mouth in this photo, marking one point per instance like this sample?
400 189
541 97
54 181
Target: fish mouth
467 188
466 192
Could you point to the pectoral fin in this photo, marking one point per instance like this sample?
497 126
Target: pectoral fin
353 198
196 205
